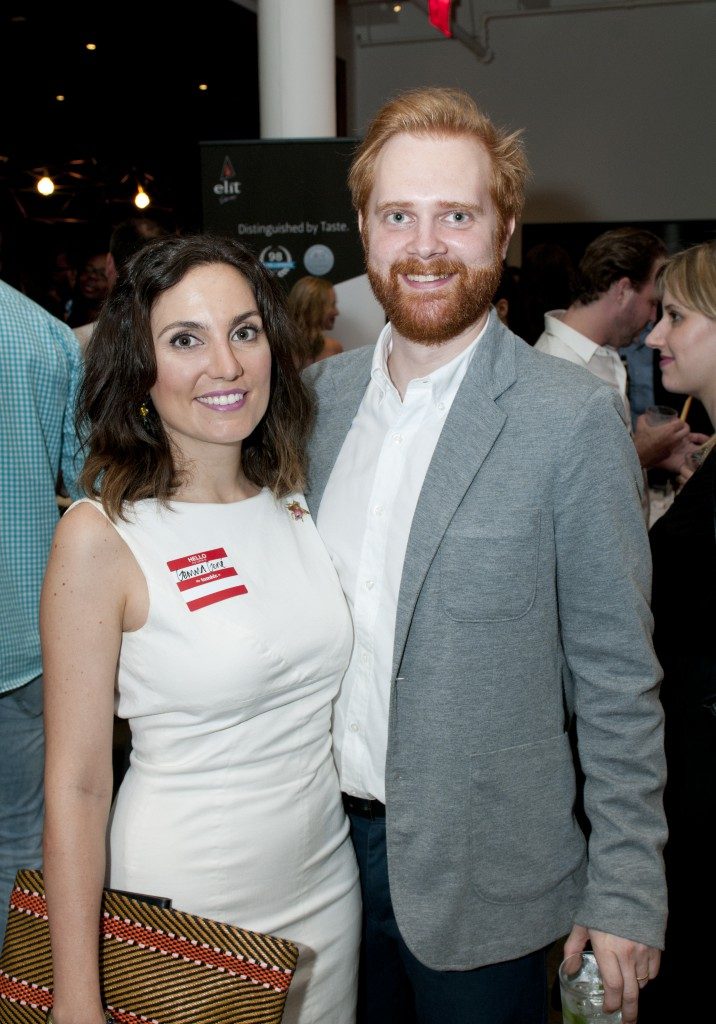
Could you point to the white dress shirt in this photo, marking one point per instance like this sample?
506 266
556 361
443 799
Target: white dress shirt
558 339
365 519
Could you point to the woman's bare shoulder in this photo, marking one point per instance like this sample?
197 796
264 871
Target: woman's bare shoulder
85 530
331 347
85 541
91 563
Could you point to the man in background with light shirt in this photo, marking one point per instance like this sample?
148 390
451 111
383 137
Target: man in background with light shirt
481 505
616 301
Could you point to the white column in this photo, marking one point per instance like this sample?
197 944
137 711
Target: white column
297 68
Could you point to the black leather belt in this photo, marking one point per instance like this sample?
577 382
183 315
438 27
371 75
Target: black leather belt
363 808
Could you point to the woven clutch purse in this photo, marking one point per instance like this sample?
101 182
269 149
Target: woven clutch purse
157 965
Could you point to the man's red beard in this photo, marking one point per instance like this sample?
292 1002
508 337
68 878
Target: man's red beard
432 317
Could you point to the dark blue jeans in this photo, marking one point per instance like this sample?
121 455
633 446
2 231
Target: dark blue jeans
22 795
395 988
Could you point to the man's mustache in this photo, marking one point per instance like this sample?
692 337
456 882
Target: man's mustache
439 265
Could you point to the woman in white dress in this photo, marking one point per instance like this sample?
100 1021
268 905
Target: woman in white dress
191 594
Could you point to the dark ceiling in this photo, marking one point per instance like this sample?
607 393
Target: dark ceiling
132 112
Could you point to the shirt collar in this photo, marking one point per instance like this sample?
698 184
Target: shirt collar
585 348
580 343
379 367
443 382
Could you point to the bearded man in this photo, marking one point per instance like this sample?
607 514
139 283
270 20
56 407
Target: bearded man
481 505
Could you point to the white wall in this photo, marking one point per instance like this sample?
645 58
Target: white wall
360 318
617 106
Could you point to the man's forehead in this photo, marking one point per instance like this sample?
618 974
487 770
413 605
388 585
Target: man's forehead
449 165
432 143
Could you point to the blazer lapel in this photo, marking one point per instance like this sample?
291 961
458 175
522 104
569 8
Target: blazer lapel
337 408
471 428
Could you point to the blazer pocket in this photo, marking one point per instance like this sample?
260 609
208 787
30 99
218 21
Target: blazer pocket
491 575
524 838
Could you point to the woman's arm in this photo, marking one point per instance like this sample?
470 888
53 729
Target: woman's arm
81 621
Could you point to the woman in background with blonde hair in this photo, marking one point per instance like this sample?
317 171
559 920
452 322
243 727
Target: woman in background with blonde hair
683 545
313 309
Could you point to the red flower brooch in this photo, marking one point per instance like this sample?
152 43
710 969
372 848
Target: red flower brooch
297 510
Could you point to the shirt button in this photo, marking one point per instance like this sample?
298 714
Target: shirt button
369 584
378 510
441 407
365 658
355 727
397 439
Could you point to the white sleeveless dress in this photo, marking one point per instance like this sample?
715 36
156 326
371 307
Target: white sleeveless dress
231 804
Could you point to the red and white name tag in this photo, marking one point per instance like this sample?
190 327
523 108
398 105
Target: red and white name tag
201 578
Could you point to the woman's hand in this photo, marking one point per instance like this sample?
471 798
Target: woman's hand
656 445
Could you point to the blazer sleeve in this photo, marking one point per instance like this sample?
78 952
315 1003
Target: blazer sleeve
603 581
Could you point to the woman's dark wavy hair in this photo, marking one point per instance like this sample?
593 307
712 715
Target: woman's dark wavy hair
129 457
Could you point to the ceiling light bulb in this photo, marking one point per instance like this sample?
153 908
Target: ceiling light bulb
90 46
60 98
141 200
397 8
203 87
45 186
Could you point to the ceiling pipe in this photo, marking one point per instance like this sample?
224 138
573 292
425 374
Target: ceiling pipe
479 42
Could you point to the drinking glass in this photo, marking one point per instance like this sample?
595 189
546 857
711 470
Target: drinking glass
658 414
582 991
694 459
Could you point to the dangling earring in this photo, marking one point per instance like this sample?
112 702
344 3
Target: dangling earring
144 411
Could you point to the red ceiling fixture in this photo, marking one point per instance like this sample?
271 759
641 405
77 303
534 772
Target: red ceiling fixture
439 14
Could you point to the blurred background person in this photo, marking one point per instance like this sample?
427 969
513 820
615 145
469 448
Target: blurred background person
40 366
638 360
615 300
683 546
313 308
58 281
548 280
127 238
506 298
91 290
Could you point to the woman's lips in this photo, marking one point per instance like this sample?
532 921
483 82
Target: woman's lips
223 401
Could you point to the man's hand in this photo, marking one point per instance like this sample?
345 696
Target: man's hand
625 967
656 445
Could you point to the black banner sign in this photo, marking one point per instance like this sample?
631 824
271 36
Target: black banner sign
288 201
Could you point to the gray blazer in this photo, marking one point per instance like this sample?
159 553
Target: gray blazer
524 595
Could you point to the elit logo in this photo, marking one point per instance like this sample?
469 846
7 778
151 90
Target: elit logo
227 188
277 260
